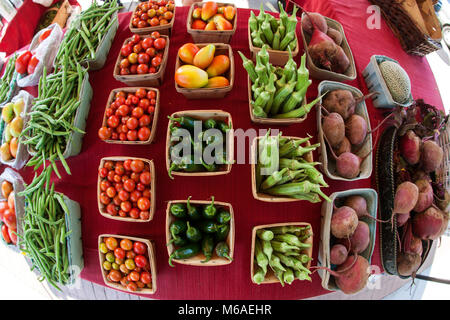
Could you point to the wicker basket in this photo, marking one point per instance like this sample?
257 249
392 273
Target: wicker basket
404 20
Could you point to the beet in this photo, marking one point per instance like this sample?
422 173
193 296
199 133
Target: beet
402 219
425 195
406 197
318 20
427 225
344 146
416 246
340 101
338 254
333 128
432 156
340 63
343 222
357 203
335 35
360 238
408 263
353 279
409 146
356 129
348 165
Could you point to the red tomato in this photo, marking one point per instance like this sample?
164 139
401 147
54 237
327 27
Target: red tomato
111 209
143 58
151 95
129 185
124 63
147 43
115 275
137 112
5 234
117 200
120 170
156 61
135 177
111 243
155 35
133 69
123 195
143 203
144 120
141 261
126 50
137 166
139 248
145 178
144 133
119 253
142 24
132 135
105 184
132 286
124 72
22 62
104 199
123 110
151 52
135 276
132 123
13 235
9 217
154 22
141 92
140 186
135 22
110 176
159 43
151 109
32 64
134 99
144 215
135 39
44 35
103 172
144 103
135 195
142 68
125 206
137 48
113 121
146 278
104 133
127 164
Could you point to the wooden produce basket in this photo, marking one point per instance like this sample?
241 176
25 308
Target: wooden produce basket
323 74
154 120
414 23
210 36
267 197
165 29
325 156
204 115
371 197
271 121
151 259
148 79
276 57
196 260
270 276
152 190
210 93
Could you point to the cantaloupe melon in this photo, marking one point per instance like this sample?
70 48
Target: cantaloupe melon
397 81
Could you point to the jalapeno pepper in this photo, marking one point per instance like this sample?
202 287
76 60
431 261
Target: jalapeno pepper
178 241
185 252
207 226
184 122
207 247
223 217
209 211
223 251
187 166
222 126
177 227
210 124
178 210
222 232
193 234
193 211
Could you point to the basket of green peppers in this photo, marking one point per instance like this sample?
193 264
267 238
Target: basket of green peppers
290 173
200 233
278 34
281 252
185 155
277 95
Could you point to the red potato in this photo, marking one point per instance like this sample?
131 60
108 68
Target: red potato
356 129
432 156
338 254
353 278
343 222
409 146
360 239
425 195
333 127
427 225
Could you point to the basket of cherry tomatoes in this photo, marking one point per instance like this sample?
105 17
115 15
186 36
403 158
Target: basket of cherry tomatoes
142 60
126 189
8 219
131 116
127 263
152 16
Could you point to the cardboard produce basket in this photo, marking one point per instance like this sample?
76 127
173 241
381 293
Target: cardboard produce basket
276 57
270 276
325 156
210 36
151 259
210 93
153 125
204 115
165 29
371 197
323 74
101 208
196 260
145 80
267 197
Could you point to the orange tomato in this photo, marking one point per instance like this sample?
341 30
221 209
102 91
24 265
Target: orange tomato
222 23
229 12
198 24
210 26
197 13
11 200
6 188
209 9
204 56
217 82
218 66
189 76
187 52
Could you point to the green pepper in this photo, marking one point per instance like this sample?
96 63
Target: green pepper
185 252
207 226
185 122
223 251
179 241
222 232
210 124
222 126
207 247
209 211
177 227
223 217
187 165
192 233
178 210
192 211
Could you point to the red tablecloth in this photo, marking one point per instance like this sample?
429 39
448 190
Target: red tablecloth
232 281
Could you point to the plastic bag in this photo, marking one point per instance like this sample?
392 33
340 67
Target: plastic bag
22 153
45 52
45 3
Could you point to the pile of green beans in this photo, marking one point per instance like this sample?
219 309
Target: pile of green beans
7 79
44 237
296 177
51 119
283 250
86 33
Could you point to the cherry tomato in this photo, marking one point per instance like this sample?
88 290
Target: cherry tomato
119 253
115 275
130 264
108 165
123 268
151 94
156 61
151 70
132 123
129 185
135 22
5 234
134 276
134 213
142 24
142 68
146 278
122 213
141 92
143 203
141 261
124 71
132 58
145 178
132 135
137 112
140 187
117 178
103 172
120 170
104 198
111 243
144 133
127 164
113 121
123 195
126 50
123 110
139 248
133 69
144 103
154 22
110 176
135 176
135 195
151 109
135 39
137 166
155 35
125 206
151 52
143 58
132 286
137 48
131 254
22 62
134 99
159 43
126 244
124 63
112 209
144 215
147 43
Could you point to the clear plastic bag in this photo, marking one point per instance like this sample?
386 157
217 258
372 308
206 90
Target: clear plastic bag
45 3
22 153
45 52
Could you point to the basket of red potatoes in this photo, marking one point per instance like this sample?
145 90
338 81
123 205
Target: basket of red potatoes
152 16
142 60
212 22
126 189
131 116
204 71
127 263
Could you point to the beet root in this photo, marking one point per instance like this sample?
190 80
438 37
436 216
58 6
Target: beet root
357 203
340 61
343 222
409 146
340 101
344 146
432 155
335 35
333 127
427 225
360 238
348 165
406 197
338 254
356 129
355 278
318 21
402 219
408 263
425 195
